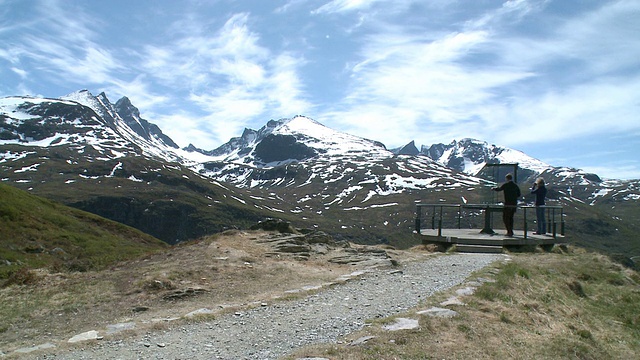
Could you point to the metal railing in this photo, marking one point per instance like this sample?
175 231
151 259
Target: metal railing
448 216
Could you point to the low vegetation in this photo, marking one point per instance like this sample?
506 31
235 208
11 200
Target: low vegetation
563 305
37 233
223 272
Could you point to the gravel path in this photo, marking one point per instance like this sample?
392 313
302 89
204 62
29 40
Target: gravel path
274 330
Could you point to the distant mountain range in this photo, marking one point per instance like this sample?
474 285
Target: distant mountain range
86 152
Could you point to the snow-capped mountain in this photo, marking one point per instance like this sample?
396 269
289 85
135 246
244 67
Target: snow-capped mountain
312 152
103 157
124 118
470 156
288 140
83 120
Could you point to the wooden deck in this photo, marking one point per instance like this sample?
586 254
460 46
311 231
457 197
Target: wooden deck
473 240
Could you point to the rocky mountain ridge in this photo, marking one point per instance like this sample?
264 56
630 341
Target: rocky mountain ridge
103 157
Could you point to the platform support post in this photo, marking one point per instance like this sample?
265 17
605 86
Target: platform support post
525 223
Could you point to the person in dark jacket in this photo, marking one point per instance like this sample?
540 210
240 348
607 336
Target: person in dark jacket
540 191
511 195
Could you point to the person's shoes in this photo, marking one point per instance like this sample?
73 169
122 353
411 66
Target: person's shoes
538 233
510 234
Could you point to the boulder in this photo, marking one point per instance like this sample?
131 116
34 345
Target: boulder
85 336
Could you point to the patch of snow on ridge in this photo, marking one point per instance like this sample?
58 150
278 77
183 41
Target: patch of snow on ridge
115 168
14 156
472 168
322 137
524 161
370 207
395 182
33 167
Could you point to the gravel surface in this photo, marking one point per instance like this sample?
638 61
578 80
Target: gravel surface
274 330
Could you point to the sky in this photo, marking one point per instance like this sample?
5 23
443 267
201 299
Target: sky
556 79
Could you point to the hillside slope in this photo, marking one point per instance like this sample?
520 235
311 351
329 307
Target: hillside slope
36 232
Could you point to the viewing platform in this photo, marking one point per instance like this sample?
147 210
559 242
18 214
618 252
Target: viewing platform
470 227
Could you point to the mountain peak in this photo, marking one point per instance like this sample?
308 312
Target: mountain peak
82 96
124 105
124 101
471 155
409 149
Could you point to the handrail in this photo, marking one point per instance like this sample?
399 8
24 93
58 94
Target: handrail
433 217
437 214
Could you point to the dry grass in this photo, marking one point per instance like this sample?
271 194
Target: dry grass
229 271
542 306
570 305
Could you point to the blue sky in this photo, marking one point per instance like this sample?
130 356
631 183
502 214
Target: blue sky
556 79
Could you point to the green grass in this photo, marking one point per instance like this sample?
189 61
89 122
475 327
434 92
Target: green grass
35 233
569 305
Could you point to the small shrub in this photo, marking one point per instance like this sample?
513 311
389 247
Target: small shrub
156 285
22 276
79 265
577 289
505 318
585 334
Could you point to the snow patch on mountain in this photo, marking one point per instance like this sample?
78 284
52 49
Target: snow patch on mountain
471 156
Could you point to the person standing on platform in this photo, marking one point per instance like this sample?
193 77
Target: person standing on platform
540 191
511 195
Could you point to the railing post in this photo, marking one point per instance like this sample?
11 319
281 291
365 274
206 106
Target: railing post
525 222
459 216
433 218
440 223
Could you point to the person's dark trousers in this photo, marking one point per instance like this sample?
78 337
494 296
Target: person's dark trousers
542 224
507 217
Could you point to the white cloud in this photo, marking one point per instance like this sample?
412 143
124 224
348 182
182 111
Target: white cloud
344 5
140 92
419 82
185 128
492 82
228 78
22 73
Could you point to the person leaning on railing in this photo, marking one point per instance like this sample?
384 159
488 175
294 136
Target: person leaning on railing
511 195
540 191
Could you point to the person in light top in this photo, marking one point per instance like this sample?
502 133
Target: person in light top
540 191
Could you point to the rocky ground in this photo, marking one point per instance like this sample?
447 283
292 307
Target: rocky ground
370 283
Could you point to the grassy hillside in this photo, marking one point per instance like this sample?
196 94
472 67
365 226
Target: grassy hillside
35 232
167 201
565 305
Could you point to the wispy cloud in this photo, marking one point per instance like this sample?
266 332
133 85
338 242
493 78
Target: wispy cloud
228 76
61 42
344 5
421 83
389 70
485 79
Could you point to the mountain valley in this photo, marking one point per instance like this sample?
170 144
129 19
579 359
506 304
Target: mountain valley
86 152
